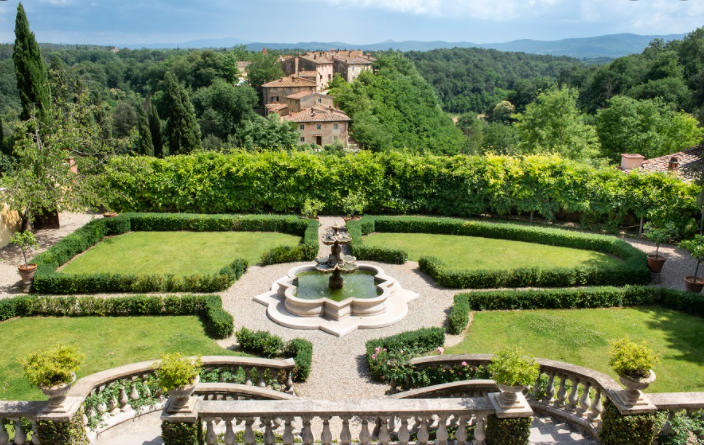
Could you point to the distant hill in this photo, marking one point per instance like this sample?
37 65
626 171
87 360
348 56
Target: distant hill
609 46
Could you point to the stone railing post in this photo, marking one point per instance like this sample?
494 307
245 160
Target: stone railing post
511 424
626 421
179 422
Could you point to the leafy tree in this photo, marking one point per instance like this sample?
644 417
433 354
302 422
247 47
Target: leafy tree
272 133
500 139
502 112
648 127
553 124
155 130
58 80
223 106
264 68
124 119
473 129
199 69
146 146
32 81
182 127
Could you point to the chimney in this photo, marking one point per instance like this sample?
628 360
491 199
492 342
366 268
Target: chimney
631 161
295 64
674 164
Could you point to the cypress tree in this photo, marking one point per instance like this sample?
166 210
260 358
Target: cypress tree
182 127
155 130
146 147
32 80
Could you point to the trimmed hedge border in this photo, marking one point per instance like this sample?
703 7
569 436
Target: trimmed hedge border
594 297
48 281
266 344
217 322
411 342
633 270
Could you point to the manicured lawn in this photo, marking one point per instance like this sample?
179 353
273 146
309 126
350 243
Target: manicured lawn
475 253
582 337
107 343
177 253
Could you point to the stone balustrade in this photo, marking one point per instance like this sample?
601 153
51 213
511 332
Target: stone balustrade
377 421
23 416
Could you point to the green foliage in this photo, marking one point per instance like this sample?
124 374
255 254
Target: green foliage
659 235
146 146
388 357
222 106
182 127
458 319
683 428
508 431
302 352
395 183
263 69
311 208
695 247
272 133
53 366
25 241
631 359
354 204
264 343
32 79
124 119
61 433
511 367
176 371
180 433
155 130
618 429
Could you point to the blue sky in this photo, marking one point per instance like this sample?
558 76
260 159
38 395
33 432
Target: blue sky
119 22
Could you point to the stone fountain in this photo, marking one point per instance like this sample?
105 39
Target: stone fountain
336 294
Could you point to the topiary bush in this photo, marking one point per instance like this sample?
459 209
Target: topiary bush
617 429
302 352
272 346
180 433
631 359
508 431
511 367
176 371
53 366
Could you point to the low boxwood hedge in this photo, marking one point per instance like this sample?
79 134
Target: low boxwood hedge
48 281
593 297
264 343
633 269
218 323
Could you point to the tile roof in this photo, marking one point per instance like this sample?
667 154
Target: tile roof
690 162
291 81
318 114
317 59
308 73
354 60
300 95
275 108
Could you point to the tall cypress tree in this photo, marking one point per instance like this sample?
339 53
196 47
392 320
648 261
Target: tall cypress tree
182 127
32 80
146 147
155 130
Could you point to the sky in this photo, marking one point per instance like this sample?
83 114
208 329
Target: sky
129 22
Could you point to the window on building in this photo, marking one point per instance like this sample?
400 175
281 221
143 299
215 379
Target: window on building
303 139
336 127
320 101
302 126
329 76
318 126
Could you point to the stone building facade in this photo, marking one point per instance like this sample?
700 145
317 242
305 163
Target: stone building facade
276 92
321 125
301 101
349 64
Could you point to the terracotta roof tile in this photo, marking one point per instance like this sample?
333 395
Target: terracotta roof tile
318 114
275 107
290 81
690 162
300 95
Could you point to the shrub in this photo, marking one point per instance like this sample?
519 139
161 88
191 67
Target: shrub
311 208
25 241
659 235
695 247
618 429
176 371
302 352
54 432
459 315
260 342
683 427
53 366
631 359
508 431
180 433
388 357
511 367
354 204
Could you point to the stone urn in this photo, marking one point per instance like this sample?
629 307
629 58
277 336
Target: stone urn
632 393
509 395
27 273
655 263
57 396
180 398
693 284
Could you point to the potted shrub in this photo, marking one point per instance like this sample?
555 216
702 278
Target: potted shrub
633 363
512 372
311 208
53 370
178 376
696 248
25 241
658 235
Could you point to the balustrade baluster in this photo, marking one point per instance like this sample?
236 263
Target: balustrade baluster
134 394
377 427
247 376
384 436
574 394
441 433
35 432
229 432
306 432
404 435
536 387
364 436
289 383
584 401
123 400
249 437
147 392
550 388
345 434
326 435
562 393
268 432
480 430
423 434
113 406
667 426
4 436
288 432
20 435
262 381
461 434
211 438
596 408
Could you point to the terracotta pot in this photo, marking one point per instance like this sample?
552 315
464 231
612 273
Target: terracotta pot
693 284
57 395
27 273
509 395
635 386
109 214
655 264
181 396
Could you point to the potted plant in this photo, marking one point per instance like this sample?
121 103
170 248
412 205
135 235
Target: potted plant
25 241
633 363
354 204
311 208
53 370
512 371
658 235
695 247
178 376
109 214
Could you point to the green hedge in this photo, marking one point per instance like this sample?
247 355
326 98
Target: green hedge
508 431
180 433
618 429
47 280
633 270
264 343
594 297
217 322
401 183
388 357
62 433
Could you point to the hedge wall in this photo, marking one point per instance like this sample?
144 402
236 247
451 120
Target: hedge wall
266 344
47 280
633 270
595 297
217 322
401 183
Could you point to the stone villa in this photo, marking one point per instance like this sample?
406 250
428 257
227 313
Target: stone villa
321 125
275 92
325 64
